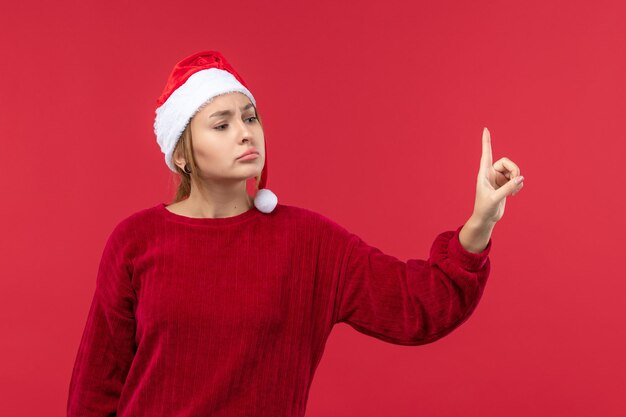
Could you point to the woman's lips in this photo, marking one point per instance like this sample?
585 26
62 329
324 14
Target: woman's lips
249 157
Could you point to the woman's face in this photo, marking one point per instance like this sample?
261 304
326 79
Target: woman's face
221 132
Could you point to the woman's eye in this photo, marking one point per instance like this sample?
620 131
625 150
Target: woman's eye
226 124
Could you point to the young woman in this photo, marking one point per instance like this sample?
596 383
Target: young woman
220 305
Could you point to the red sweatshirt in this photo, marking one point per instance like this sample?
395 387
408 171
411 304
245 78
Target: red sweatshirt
228 317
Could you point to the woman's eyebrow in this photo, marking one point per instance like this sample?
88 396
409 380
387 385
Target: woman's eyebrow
228 112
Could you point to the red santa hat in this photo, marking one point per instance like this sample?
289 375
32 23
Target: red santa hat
193 81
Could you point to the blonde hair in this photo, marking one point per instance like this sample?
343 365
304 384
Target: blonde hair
184 148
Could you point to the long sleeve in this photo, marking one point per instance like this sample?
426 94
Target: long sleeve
107 346
413 302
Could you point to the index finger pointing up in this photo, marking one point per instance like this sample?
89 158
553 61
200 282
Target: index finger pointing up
486 160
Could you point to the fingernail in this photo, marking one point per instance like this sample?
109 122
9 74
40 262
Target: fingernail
519 179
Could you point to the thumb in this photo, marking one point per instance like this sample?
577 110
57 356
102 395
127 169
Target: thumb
514 184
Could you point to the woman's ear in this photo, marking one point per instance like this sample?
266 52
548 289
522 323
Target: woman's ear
178 160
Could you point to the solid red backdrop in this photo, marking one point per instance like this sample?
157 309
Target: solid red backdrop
373 114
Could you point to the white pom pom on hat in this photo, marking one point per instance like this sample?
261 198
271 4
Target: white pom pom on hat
265 200
193 81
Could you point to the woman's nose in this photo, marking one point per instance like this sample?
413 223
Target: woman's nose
246 132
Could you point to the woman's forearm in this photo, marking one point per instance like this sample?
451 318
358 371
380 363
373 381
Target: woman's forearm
475 234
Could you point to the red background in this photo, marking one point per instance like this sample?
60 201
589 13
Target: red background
373 114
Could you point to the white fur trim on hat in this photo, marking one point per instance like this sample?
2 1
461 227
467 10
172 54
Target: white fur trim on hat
173 115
